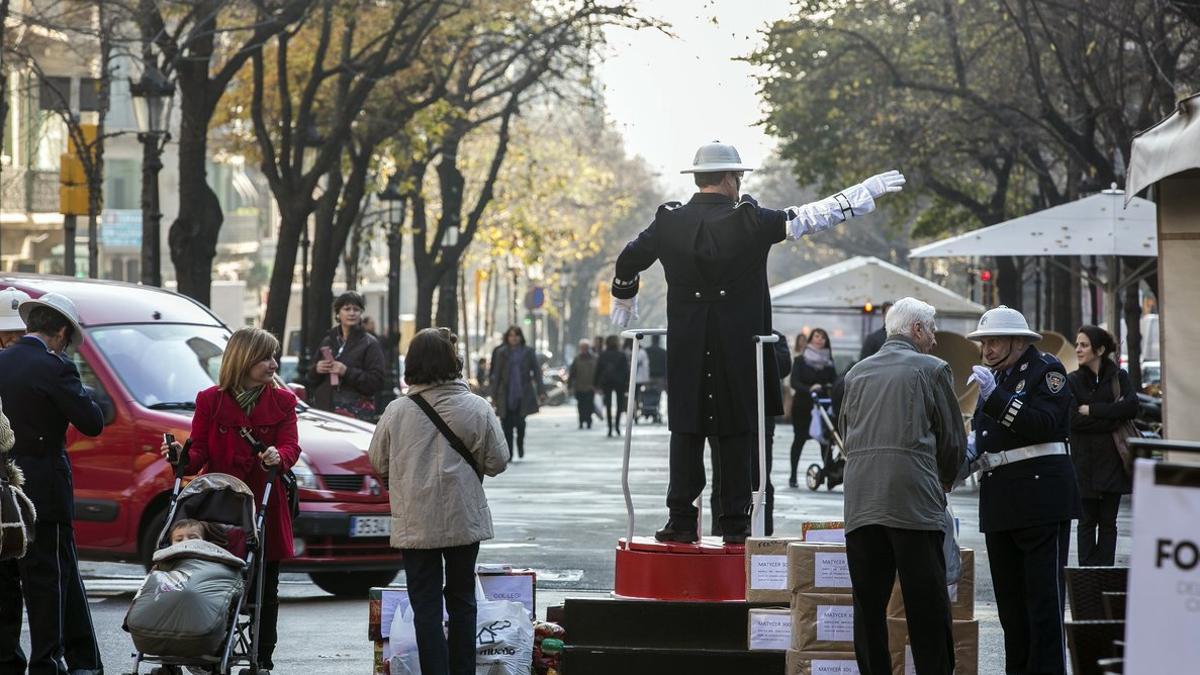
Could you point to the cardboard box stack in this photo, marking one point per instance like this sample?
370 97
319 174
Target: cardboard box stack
767 570
965 626
820 663
822 609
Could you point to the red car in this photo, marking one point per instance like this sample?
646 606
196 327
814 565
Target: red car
146 354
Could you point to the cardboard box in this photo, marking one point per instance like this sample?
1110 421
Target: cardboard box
966 647
823 531
769 629
962 594
767 569
818 568
823 622
821 663
499 583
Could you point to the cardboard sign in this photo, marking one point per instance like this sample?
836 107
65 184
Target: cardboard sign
821 663
823 622
769 629
769 572
826 532
831 570
767 569
1163 612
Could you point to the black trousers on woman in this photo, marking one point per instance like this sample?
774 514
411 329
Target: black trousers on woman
614 421
801 419
1097 534
514 420
441 654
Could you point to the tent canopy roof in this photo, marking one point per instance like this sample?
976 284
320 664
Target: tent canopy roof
864 279
1167 148
1095 225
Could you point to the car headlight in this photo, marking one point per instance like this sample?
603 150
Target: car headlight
305 477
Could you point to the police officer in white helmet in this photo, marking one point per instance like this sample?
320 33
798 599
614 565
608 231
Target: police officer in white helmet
12 326
714 253
1027 490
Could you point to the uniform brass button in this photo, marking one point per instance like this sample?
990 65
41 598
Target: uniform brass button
722 294
1035 476
710 395
985 434
708 353
710 374
697 294
710 417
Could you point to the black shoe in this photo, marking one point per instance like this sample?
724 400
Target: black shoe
792 482
737 538
669 533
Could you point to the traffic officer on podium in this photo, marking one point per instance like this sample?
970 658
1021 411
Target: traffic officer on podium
1027 490
42 394
714 253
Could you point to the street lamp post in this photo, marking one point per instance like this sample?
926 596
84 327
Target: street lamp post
150 94
393 203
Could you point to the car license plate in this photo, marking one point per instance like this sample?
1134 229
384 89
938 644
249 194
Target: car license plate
370 526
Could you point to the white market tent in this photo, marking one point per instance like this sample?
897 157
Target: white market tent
833 298
1097 225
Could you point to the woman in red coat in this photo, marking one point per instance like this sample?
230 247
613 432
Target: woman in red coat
246 395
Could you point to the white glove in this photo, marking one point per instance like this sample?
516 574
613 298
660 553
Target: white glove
972 451
986 380
624 312
880 184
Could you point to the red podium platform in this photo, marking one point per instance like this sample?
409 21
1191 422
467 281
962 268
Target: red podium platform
707 571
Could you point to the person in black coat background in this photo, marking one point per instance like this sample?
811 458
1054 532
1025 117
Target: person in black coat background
356 358
812 370
42 394
612 379
1105 399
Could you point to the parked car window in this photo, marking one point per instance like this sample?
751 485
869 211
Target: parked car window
163 365
87 375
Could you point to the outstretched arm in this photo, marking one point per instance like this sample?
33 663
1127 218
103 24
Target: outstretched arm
857 200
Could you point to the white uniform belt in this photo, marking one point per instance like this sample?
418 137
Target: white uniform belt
991 460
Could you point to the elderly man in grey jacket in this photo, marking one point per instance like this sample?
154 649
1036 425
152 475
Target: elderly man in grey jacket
904 443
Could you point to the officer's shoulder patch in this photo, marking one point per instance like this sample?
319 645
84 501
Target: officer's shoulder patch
669 206
1055 381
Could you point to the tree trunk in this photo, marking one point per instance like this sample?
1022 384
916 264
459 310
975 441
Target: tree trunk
1060 300
291 225
1008 282
193 235
447 306
579 297
423 316
1133 325
326 250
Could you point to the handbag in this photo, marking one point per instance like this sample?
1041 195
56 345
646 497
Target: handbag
1124 430
290 488
17 513
455 441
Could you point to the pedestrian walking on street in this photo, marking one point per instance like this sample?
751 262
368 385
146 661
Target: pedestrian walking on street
1105 400
904 444
581 382
657 357
12 327
877 337
1028 493
612 377
516 382
42 393
246 397
432 449
348 366
812 371
714 252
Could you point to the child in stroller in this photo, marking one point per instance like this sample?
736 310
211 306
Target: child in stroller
833 458
189 611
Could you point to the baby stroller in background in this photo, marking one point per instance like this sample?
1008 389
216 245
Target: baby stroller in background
649 403
227 501
833 456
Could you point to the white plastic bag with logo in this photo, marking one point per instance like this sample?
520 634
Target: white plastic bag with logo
402 642
503 636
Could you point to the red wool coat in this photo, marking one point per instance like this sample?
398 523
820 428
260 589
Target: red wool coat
217 448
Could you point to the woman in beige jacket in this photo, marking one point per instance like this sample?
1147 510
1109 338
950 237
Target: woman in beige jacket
439 510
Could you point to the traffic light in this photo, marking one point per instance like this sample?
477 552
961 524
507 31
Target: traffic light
72 176
868 308
604 306
988 289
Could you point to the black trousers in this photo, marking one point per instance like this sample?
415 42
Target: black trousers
585 403
769 498
1027 575
801 419
46 584
439 654
876 554
268 628
614 421
731 460
1097 534
514 420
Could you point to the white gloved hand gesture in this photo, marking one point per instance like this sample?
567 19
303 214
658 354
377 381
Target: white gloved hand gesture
888 181
986 380
624 312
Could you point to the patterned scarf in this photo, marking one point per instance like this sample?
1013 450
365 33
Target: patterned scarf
818 358
247 398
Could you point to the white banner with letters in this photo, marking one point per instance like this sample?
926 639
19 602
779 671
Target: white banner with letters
1162 621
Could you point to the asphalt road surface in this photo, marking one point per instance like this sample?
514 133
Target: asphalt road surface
560 511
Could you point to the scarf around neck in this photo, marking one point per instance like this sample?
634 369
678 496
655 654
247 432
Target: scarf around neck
818 358
247 398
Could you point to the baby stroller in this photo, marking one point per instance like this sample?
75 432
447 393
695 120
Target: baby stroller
833 457
649 403
219 628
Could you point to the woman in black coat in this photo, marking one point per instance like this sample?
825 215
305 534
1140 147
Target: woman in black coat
612 379
516 386
351 356
1106 399
812 370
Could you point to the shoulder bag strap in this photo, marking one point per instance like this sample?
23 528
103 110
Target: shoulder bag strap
455 441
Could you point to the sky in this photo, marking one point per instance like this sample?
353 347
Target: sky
668 96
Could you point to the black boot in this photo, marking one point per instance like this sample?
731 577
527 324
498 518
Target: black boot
675 533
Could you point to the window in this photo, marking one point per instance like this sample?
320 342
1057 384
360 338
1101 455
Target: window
122 184
54 93
51 141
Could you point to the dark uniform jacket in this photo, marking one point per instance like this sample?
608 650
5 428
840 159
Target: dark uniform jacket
42 393
1098 466
1032 404
714 253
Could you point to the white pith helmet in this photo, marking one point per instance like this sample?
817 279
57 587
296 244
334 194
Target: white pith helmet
715 157
59 303
10 305
1003 322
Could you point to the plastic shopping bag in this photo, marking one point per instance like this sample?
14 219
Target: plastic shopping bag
950 547
503 638
402 638
598 405
816 428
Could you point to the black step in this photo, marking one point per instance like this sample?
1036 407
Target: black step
654 624
646 661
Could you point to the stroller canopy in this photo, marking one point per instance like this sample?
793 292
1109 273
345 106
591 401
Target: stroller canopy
218 498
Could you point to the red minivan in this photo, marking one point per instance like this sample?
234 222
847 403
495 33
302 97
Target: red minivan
146 354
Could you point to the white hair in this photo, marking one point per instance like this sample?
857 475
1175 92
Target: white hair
906 313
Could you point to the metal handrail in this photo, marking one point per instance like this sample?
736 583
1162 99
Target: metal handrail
758 521
637 334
